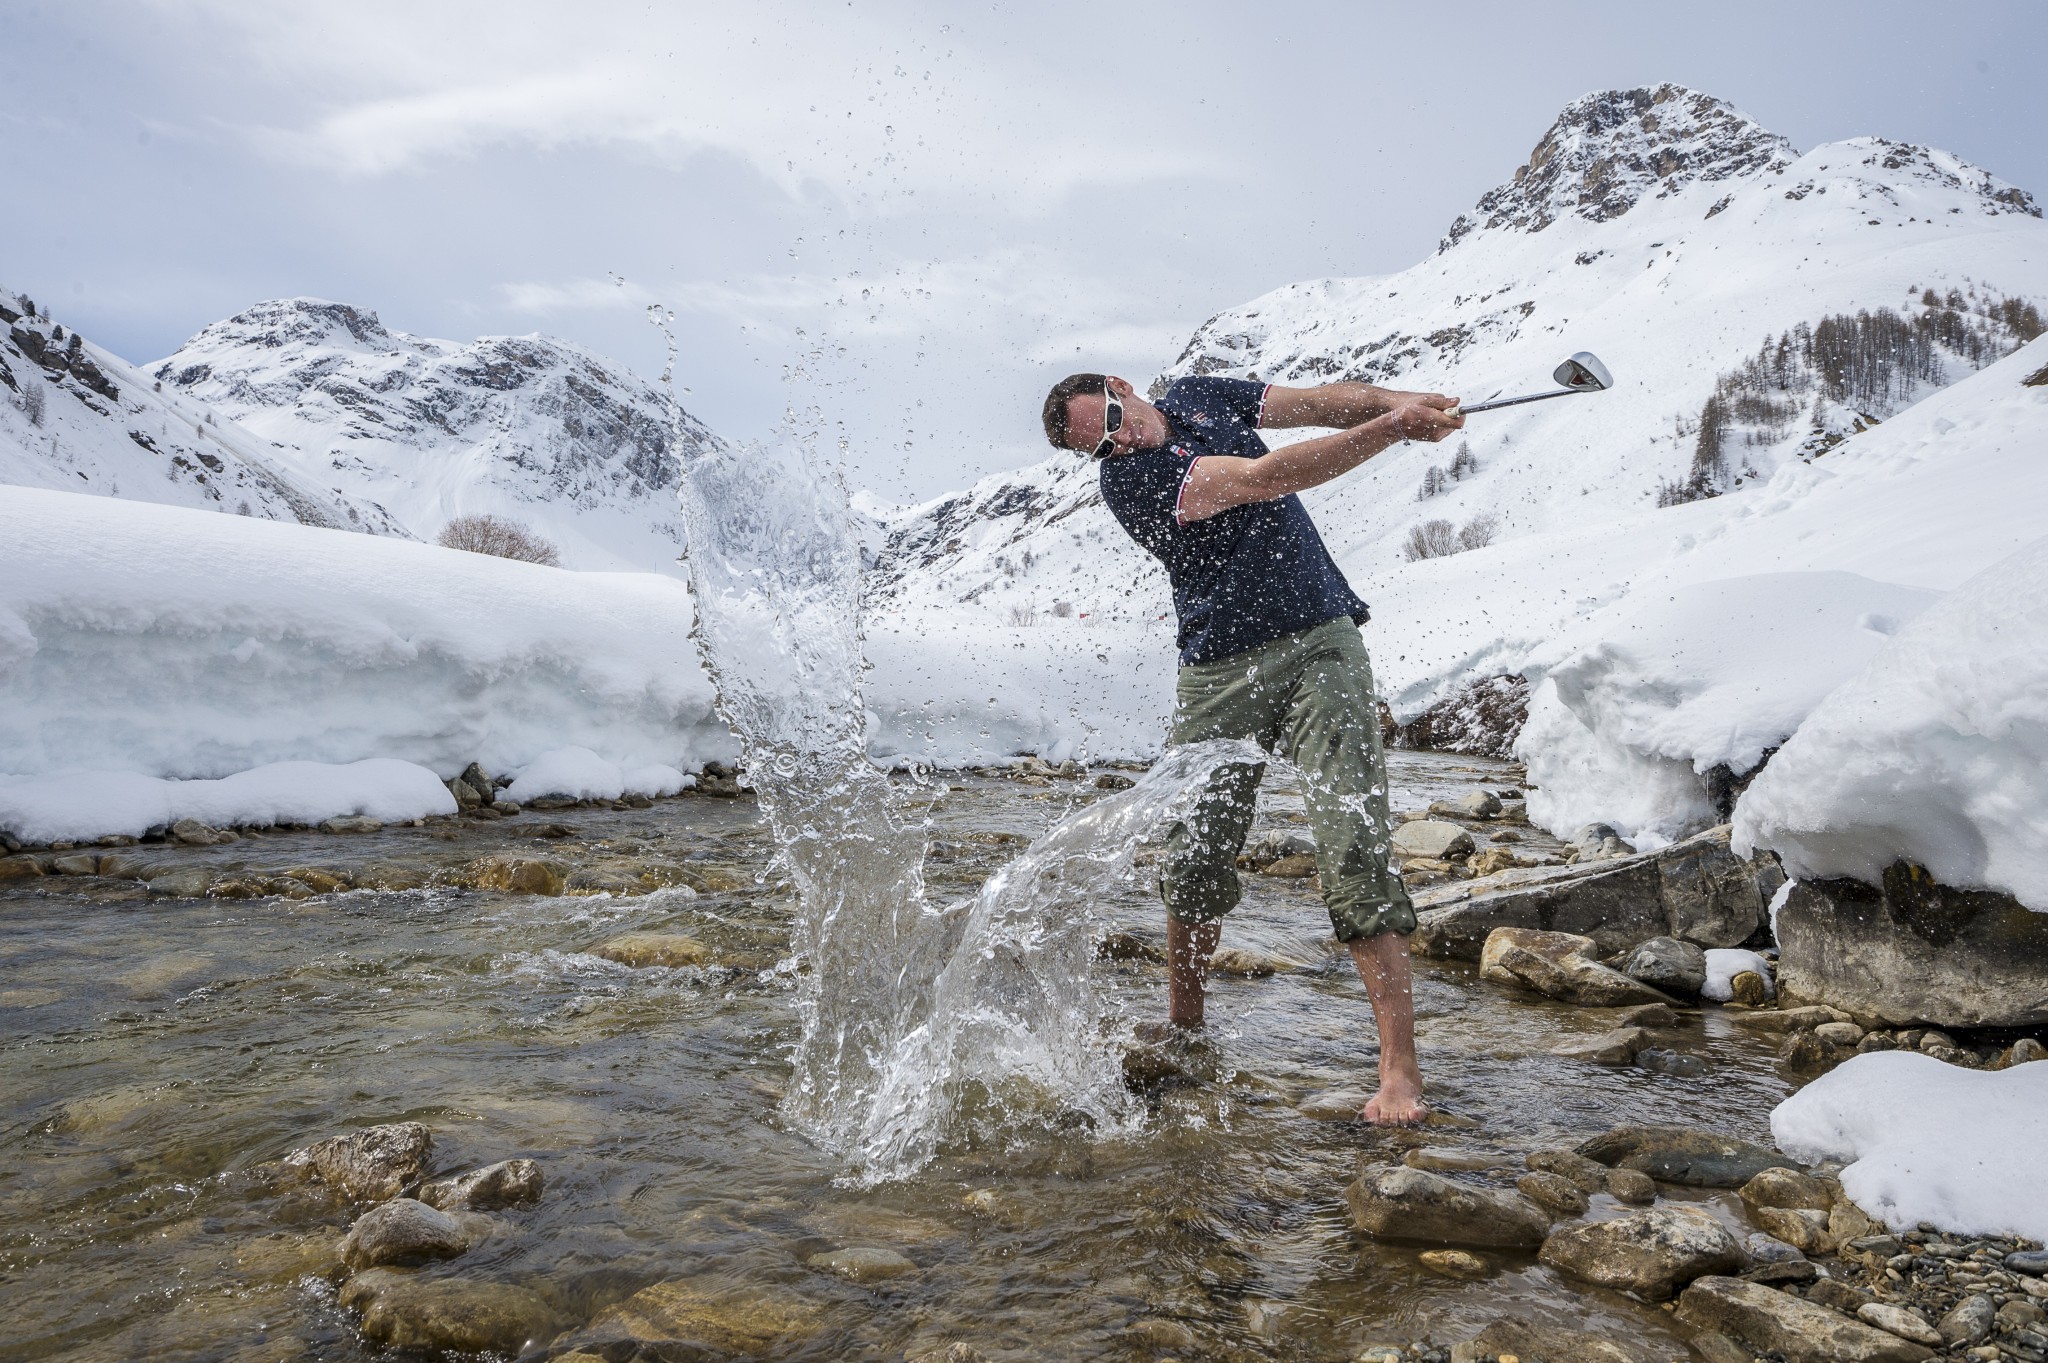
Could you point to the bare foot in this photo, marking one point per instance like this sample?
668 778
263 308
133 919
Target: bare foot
1169 1030
1398 1103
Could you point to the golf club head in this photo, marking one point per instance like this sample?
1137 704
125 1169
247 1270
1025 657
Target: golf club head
1583 372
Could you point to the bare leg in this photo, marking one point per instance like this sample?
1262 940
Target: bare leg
1188 948
1382 963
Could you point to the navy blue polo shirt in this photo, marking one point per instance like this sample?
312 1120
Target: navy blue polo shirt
1243 577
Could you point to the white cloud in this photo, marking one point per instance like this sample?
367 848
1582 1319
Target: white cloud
574 295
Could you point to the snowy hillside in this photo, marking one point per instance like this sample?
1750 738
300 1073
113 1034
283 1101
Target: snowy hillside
78 418
1755 305
526 427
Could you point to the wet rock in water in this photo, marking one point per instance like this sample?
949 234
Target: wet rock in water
1653 1015
384 875
1714 1347
1901 1321
1394 1202
1842 1034
75 864
1617 1047
1477 804
589 880
1632 1186
193 833
669 949
1441 1159
1299 866
1781 1274
1453 1263
1791 1189
1803 1019
1114 780
19 868
1238 961
1677 1064
1970 1321
1684 1155
448 1315
1493 860
1553 1192
863 1263
1749 989
1431 838
508 1183
316 879
1560 965
1335 1105
2033 1262
1768 1320
1157 1332
403 1231
519 875
1668 964
956 1352
1769 1249
1586 1175
351 823
1128 946
1652 1252
1910 950
1538 1344
370 1165
681 1313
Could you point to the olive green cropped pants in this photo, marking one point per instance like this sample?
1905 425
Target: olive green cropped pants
1308 697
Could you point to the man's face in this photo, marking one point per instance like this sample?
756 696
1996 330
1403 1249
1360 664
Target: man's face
1144 425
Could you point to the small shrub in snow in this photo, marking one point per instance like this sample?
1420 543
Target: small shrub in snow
1024 616
1433 479
32 400
1478 532
1463 464
1431 539
499 537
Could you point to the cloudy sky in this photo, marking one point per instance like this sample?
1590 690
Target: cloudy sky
935 209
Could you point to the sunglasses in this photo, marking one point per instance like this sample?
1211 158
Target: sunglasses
1112 422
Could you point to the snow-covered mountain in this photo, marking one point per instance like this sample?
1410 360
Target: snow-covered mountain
1756 306
78 418
527 427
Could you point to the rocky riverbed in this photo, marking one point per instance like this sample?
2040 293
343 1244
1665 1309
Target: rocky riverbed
508 1082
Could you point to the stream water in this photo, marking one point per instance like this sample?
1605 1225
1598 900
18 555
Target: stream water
155 1052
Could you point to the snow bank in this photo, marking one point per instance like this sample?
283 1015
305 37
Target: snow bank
81 805
580 774
1724 964
153 639
1936 753
1932 1142
1655 691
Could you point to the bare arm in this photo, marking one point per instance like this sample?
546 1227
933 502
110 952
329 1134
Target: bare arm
1337 405
1218 482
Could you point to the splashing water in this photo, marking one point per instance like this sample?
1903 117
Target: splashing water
908 1010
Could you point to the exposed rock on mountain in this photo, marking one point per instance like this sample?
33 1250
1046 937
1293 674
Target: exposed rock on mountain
525 427
76 418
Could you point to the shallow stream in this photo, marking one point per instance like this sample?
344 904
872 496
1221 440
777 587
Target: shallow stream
158 1051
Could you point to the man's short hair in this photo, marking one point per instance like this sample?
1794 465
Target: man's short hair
1064 392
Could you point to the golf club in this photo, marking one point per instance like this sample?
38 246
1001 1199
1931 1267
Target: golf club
1582 373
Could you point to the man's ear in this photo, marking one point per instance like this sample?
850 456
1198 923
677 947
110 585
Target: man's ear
1121 388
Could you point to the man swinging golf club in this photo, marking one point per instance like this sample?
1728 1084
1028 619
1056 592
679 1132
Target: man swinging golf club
1269 650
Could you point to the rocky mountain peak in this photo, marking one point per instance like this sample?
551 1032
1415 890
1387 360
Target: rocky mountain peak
1610 150
282 321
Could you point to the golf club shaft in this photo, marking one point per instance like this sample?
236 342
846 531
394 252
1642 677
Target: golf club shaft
1469 408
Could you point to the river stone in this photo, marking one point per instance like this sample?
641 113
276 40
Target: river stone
519 875
1652 1015
1632 1186
1769 1320
1901 1322
1539 1344
508 1183
194 833
1394 1202
317 879
370 1165
448 1315
1238 961
1677 1064
1453 1263
747 1322
1617 1047
1769 1249
19 868
1477 804
1750 989
863 1263
1838 1295
670 949
1586 1175
1684 1155
1651 1252
1801 1227
1442 1160
1128 946
1558 964
1553 1192
403 1231
1335 1105
1969 1322
75 864
1802 1019
2033 1262
1670 965
1300 866
351 823
1909 950
1431 838
183 882
1789 1188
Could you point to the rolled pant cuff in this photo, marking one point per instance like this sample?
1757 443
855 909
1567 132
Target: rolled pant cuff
1370 920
